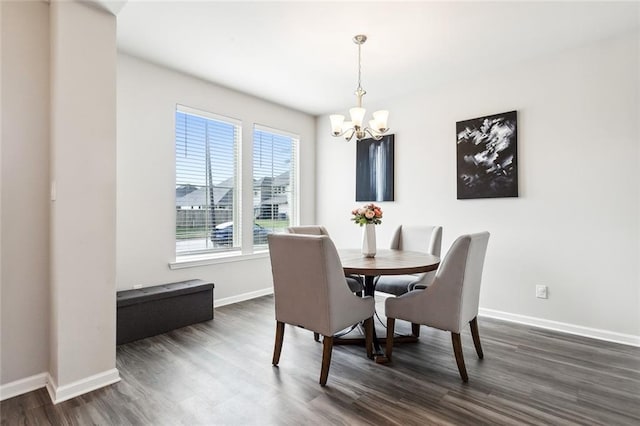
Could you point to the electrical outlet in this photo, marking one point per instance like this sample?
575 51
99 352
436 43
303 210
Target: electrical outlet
542 292
137 286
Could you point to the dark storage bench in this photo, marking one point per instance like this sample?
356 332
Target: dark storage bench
148 311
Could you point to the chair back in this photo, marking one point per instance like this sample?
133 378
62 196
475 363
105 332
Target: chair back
308 230
309 284
457 283
422 238
353 282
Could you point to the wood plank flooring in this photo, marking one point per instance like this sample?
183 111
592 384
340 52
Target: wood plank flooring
220 373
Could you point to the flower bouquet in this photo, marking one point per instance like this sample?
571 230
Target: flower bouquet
367 214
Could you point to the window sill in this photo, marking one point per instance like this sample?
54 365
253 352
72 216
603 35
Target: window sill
193 261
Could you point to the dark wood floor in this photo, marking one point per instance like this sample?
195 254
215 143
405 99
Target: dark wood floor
220 372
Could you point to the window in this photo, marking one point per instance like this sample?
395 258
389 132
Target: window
207 201
275 182
209 188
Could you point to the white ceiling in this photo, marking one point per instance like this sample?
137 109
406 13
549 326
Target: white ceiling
300 53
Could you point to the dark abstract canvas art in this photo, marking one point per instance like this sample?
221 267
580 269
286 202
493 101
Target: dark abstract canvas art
487 156
374 169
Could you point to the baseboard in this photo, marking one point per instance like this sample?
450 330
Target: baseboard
62 393
259 293
18 387
242 297
594 333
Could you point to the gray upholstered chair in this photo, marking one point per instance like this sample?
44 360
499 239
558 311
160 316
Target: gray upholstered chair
310 292
424 238
451 301
353 281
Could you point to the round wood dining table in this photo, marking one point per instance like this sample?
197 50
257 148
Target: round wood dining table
385 262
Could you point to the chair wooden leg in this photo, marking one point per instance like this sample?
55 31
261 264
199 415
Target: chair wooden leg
457 350
316 336
278 346
326 359
415 329
476 337
391 325
368 336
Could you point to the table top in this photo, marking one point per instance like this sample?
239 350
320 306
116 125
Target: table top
387 262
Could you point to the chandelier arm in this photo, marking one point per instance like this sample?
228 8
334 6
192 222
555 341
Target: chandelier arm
377 132
375 135
337 135
353 132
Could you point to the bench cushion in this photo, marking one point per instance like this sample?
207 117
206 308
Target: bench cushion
147 294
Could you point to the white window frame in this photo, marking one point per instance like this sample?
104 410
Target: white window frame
213 253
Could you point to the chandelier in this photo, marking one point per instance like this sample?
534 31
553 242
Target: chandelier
377 127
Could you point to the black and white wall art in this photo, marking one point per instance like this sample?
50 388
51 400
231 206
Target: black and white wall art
374 169
487 156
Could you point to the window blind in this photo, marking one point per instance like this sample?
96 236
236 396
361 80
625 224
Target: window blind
207 152
275 181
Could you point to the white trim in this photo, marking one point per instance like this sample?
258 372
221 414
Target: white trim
204 260
51 386
208 115
242 297
62 393
268 129
594 333
18 387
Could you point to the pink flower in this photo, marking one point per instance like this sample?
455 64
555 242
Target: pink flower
369 214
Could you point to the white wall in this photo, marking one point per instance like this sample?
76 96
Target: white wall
58 259
147 98
24 183
575 226
83 215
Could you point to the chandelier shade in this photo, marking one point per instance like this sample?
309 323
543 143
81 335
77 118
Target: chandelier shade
376 128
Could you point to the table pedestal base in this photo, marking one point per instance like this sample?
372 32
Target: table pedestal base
386 262
381 340
378 355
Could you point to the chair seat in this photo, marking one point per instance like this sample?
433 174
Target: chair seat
355 284
398 284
